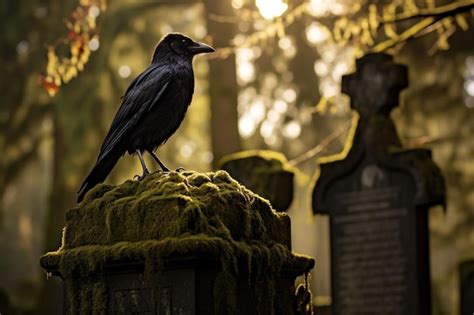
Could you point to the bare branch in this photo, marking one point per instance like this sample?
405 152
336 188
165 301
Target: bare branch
320 147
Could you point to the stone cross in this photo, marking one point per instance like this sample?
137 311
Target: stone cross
377 197
375 87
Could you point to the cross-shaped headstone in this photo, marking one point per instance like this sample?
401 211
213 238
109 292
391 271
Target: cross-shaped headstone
375 87
377 198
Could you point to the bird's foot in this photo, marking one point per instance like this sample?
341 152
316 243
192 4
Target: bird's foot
145 173
180 169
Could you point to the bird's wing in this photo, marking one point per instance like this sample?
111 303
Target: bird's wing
141 95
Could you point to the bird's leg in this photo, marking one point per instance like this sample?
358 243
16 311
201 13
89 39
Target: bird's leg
142 162
163 167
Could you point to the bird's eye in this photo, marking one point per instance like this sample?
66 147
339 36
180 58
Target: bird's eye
183 40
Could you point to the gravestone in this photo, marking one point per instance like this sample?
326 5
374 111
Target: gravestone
177 243
266 173
466 285
377 195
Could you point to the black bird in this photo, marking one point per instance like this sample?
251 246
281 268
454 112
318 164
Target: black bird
152 108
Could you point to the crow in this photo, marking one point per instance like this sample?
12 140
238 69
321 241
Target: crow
152 108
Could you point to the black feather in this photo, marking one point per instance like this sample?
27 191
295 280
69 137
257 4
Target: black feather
152 108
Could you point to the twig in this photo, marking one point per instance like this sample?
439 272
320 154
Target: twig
311 153
438 12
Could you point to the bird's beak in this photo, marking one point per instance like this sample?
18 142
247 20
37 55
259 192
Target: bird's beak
199 48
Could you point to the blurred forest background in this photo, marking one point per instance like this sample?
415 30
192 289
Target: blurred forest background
274 83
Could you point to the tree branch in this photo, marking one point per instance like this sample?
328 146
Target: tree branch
438 13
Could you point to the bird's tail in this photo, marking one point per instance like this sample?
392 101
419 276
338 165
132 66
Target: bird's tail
97 175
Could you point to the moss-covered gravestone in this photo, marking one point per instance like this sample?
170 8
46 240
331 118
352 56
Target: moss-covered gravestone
177 243
377 196
266 173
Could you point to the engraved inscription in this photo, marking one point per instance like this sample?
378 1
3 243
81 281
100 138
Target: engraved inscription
133 301
164 302
371 269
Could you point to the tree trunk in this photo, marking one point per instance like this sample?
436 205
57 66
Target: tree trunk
223 87
50 296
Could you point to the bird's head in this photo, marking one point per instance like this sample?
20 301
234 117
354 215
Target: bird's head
180 45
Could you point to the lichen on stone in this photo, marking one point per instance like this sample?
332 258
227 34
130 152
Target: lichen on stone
267 173
167 215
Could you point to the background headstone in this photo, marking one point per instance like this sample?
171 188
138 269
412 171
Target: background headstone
466 284
377 197
266 173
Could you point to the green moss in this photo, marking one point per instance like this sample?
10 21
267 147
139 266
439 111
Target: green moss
170 215
266 173
271 159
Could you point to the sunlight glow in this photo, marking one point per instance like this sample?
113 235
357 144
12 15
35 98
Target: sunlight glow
94 11
22 47
257 110
292 129
266 130
340 69
246 126
237 4
273 116
271 140
321 68
271 9
316 33
124 71
186 150
469 87
94 44
318 7
469 82
207 156
289 95
245 72
245 67
280 106
285 43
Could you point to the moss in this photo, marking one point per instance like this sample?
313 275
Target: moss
169 215
266 173
271 159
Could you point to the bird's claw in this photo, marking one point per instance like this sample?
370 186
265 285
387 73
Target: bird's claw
180 169
145 173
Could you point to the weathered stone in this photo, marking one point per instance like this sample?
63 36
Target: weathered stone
266 173
191 243
377 195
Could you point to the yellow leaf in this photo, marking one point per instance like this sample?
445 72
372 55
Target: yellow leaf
373 19
462 22
366 38
447 22
410 6
389 28
339 28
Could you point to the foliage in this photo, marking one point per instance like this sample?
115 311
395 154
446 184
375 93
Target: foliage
81 38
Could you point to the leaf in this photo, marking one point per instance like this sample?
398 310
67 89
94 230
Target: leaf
411 32
373 19
461 21
48 84
366 37
339 27
410 6
389 28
